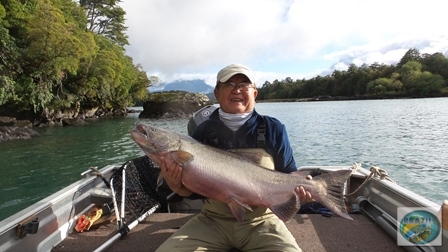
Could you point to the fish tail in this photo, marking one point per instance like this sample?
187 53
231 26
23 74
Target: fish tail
329 191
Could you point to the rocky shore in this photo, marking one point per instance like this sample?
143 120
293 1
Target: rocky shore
159 105
18 126
10 129
173 104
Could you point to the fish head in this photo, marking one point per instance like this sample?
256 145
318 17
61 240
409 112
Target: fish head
154 141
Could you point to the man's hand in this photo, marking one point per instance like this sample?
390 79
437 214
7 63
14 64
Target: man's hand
304 196
172 173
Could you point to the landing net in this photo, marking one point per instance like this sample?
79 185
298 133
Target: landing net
135 192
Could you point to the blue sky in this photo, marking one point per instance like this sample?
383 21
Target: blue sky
194 39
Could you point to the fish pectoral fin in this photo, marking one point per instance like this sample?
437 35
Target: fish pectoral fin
237 207
286 210
182 157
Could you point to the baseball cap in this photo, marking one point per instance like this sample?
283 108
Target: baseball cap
227 72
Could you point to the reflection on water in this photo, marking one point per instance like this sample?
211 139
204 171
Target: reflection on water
408 138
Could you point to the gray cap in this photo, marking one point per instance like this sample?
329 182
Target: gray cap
227 72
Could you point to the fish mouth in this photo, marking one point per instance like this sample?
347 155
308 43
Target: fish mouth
152 139
139 134
139 128
143 130
142 136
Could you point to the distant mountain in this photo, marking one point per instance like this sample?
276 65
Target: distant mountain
195 86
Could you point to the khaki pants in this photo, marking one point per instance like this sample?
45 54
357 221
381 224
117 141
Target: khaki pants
220 231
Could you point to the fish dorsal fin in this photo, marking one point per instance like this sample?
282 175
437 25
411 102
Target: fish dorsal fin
237 207
286 210
182 157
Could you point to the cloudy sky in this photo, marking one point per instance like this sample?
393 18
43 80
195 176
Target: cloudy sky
194 39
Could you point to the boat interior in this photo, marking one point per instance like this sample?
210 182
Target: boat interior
137 215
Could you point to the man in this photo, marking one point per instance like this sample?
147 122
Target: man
237 126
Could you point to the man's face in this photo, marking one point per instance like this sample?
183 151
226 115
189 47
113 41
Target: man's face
236 100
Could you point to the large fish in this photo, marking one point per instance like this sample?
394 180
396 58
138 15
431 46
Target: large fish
236 180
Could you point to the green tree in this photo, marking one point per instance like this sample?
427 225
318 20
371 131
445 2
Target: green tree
418 82
54 47
384 85
53 57
139 90
8 62
110 79
411 55
436 63
107 18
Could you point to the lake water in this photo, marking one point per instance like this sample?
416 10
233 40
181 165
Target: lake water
406 137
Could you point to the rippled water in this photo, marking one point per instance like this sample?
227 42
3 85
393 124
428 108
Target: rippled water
408 138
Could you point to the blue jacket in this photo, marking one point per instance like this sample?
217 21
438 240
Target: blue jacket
215 133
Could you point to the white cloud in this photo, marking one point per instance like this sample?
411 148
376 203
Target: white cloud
283 38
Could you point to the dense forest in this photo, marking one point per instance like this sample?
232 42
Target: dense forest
415 75
63 54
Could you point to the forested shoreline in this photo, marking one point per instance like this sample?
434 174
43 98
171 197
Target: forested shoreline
416 75
64 57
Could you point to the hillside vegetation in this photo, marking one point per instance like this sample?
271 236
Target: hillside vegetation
61 54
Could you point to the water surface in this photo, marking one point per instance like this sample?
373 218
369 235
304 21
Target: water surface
406 137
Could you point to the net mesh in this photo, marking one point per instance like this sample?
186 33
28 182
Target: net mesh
140 184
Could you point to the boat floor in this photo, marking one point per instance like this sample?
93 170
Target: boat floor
313 232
